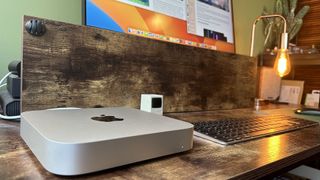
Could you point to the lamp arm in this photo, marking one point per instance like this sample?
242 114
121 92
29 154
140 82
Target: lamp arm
284 35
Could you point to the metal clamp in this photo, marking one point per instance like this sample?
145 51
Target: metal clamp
35 27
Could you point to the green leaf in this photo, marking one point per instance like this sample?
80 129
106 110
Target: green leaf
268 28
293 5
303 11
285 8
278 7
295 28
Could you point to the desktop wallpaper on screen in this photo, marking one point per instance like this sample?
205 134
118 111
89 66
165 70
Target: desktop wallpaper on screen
201 23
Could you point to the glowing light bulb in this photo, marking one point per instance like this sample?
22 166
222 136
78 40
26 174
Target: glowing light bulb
282 64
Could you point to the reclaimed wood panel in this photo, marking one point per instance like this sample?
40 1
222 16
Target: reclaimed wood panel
82 66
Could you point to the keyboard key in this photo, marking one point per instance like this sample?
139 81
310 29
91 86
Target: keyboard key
234 130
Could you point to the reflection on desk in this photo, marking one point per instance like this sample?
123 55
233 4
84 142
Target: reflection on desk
207 160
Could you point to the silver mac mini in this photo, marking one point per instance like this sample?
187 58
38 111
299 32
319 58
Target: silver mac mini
80 141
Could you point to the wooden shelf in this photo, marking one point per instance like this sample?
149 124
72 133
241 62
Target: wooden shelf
305 67
296 59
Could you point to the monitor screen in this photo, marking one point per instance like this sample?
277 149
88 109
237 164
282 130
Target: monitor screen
201 23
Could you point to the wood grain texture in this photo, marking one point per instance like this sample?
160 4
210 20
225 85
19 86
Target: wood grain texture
311 77
249 160
88 67
310 31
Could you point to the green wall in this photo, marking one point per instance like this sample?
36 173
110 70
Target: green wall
245 12
11 12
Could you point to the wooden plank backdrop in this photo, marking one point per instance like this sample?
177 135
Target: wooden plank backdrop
310 32
79 66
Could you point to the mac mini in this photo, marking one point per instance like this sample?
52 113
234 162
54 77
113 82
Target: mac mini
80 141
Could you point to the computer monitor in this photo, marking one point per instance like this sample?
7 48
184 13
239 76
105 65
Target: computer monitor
201 23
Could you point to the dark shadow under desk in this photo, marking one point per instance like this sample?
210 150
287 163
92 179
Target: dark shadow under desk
249 160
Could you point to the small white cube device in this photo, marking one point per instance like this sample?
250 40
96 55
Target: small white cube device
152 103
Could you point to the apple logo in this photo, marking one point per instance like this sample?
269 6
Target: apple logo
105 118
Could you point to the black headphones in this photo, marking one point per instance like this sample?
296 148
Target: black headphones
35 27
15 68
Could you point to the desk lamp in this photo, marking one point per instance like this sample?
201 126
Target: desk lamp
282 64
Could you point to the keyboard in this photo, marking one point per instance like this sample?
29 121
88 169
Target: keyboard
234 130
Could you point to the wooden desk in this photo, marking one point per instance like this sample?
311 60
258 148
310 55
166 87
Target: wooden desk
207 160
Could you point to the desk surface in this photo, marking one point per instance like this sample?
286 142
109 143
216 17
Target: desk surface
252 159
